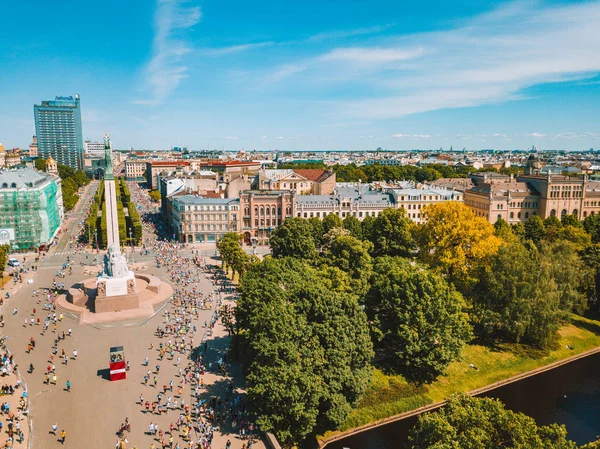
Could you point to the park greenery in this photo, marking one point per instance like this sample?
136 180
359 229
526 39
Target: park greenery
409 309
484 423
377 172
95 225
71 181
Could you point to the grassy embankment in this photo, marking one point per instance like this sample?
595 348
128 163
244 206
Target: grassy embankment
390 395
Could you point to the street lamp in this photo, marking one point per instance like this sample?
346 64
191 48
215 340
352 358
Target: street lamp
96 238
131 238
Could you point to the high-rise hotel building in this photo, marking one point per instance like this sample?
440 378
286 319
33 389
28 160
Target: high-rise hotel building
58 129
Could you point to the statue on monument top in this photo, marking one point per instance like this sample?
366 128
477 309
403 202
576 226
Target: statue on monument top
108 173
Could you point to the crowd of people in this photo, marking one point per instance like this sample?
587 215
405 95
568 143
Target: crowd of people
183 339
189 404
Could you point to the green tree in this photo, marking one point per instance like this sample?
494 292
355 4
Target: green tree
519 230
308 349
4 252
552 222
591 224
367 227
590 256
332 221
571 220
562 263
483 423
418 327
317 230
391 233
515 300
503 230
64 171
155 195
40 164
575 235
534 229
352 224
352 256
293 238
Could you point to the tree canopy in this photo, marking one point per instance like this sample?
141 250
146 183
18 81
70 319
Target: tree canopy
293 238
455 240
308 349
483 423
391 233
417 316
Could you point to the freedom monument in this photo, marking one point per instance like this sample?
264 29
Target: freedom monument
117 281
117 293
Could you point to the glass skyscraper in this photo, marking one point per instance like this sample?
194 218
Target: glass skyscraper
58 129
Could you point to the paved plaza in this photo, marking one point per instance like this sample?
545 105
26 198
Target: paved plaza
93 410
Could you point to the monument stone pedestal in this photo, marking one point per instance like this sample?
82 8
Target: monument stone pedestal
116 294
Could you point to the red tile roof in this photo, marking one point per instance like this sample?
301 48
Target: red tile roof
313 174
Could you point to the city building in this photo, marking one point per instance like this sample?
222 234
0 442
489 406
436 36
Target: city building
94 166
497 196
32 207
51 166
413 200
509 199
59 132
301 181
135 169
348 199
12 157
197 219
154 168
33 147
262 211
94 148
2 156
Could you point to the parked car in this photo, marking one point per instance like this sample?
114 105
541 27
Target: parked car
14 262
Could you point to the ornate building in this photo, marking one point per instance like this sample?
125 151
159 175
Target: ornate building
262 211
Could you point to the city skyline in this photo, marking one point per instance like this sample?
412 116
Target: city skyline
352 75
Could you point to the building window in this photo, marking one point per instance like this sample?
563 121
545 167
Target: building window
563 213
553 213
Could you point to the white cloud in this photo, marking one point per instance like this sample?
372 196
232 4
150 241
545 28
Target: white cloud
411 136
572 135
490 58
371 55
536 135
340 34
280 138
235 48
230 137
283 72
166 69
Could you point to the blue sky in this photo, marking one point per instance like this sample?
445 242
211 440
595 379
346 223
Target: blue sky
308 74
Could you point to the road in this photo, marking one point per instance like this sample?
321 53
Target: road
95 407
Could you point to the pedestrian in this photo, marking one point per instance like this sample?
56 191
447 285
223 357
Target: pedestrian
69 386
63 436
54 428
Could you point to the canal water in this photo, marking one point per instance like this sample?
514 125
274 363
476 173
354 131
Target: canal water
569 395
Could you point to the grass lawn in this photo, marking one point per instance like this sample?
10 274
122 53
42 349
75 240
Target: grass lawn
390 395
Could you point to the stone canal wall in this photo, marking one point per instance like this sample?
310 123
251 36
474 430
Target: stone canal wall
323 442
